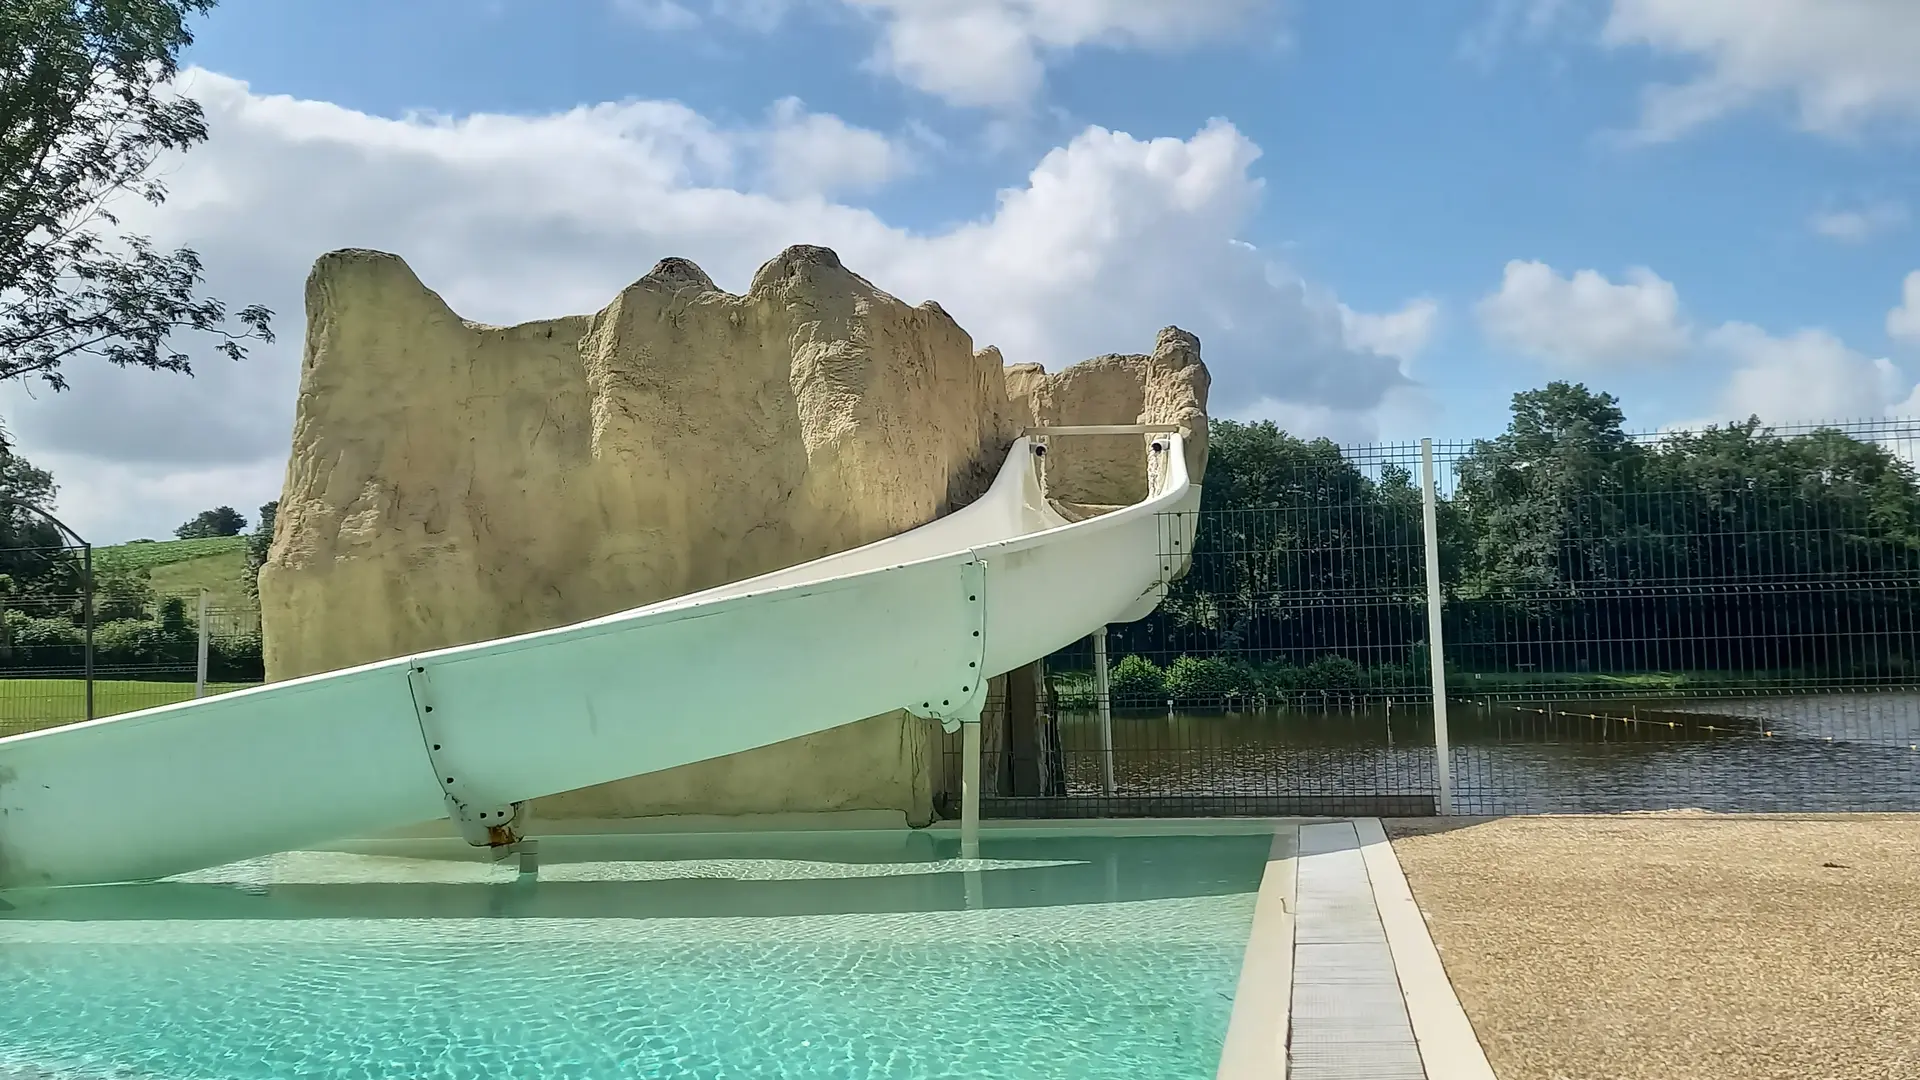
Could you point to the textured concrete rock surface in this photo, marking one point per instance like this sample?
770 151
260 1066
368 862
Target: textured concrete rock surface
452 482
1166 386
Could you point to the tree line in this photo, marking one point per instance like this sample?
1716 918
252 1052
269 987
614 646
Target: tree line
88 107
43 592
1569 550
1566 546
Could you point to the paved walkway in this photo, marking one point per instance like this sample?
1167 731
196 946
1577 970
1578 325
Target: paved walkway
1341 980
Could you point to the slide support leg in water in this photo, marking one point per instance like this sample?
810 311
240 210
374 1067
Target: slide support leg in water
970 789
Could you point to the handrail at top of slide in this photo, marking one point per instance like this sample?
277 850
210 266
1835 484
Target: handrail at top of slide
915 621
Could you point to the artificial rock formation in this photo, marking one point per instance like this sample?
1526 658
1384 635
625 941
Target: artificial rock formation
1168 386
452 482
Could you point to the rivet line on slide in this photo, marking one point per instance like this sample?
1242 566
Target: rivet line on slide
482 823
964 695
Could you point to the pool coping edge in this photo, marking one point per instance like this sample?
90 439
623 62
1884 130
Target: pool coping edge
1256 1040
1449 1048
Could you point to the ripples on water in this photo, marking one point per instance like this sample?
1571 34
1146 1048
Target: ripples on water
798 958
1854 752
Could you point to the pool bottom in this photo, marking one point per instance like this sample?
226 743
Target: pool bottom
1021 986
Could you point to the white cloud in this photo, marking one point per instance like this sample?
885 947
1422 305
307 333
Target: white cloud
1843 64
994 52
1528 20
987 53
1584 320
1402 409
663 15
762 15
822 154
107 501
669 16
518 217
1858 224
1402 334
1903 322
1808 376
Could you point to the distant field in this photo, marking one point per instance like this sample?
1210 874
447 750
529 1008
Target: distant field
32 704
184 567
155 553
1644 683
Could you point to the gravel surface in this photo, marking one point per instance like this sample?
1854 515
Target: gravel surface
1679 946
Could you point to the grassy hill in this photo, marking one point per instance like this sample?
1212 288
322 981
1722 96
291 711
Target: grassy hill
183 567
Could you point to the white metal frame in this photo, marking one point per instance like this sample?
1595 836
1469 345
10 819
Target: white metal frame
200 651
1436 651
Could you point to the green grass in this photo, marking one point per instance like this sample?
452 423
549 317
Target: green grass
1650 683
32 704
217 564
156 553
1075 689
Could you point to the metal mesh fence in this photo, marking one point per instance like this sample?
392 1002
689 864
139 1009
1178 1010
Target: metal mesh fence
1726 619
1723 619
145 651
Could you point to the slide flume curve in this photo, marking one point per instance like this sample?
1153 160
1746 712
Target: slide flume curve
917 621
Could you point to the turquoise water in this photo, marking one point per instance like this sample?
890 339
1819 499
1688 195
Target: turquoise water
767 957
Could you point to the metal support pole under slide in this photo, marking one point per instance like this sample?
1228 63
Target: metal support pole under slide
970 789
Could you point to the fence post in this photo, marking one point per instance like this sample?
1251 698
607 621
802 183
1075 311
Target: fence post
200 672
86 603
1436 647
86 583
1103 697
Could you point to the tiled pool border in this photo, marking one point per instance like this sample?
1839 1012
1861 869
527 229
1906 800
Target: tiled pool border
1260 1027
1448 1046
1256 1043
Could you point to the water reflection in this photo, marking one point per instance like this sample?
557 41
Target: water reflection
704 877
1780 753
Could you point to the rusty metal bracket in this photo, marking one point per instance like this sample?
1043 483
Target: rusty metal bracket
963 698
482 822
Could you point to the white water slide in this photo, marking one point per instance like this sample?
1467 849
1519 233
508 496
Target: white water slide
471 733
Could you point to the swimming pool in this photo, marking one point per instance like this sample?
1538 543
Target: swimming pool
846 956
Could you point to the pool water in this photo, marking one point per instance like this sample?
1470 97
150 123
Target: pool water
803 956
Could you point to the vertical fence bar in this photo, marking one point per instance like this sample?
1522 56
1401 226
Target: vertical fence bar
86 604
1103 697
200 671
1436 648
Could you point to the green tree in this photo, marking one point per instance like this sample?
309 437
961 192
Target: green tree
1567 545
173 616
1300 550
119 593
34 553
258 543
1544 506
1730 548
87 108
219 521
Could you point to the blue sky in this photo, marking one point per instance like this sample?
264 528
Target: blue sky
1721 194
